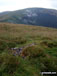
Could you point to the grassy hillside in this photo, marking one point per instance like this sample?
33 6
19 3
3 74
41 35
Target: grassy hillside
31 16
38 54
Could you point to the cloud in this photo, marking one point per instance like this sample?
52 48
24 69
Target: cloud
53 4
6 5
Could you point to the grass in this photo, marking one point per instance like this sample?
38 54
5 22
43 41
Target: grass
36 58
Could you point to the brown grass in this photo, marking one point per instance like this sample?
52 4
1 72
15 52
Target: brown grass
10 31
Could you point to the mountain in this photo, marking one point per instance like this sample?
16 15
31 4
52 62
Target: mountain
31 16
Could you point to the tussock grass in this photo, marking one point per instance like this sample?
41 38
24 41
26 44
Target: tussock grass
41 56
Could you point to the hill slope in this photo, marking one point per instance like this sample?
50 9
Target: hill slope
31 16
38 50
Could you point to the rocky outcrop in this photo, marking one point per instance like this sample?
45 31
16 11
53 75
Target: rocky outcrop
18 51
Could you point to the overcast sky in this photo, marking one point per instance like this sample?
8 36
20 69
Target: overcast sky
10 5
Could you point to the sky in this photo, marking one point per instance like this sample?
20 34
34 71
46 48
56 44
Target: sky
11 5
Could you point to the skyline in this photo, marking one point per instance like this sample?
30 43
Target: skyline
11 5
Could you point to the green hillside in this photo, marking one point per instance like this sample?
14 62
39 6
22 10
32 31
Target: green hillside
27 50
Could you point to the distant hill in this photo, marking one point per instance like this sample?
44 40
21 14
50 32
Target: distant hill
31 16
